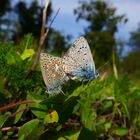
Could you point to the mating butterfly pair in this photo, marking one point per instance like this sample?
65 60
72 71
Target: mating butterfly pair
76 63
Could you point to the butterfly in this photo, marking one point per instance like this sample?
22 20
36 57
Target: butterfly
76 63
53 73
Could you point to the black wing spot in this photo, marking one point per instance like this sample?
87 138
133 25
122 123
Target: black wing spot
49 80
73 45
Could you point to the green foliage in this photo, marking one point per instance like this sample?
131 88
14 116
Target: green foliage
134 40
14 70
100 15
28 19
3 118
131 63
101 44
100 109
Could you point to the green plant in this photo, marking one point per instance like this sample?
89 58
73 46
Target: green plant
100 109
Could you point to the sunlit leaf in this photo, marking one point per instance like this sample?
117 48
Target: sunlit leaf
36 98
70 135
3 118
18 116
51 117
27 128
120 131
38 110
27 54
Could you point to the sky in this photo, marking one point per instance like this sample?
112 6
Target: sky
66 20
66 23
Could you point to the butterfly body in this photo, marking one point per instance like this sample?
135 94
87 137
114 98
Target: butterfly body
76 63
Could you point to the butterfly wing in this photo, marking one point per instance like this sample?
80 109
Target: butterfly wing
53 73
78 61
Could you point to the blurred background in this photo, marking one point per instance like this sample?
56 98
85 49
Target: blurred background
107 25
105 108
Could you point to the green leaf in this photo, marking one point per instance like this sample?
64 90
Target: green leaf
120 131
51 117
37 131
59 127
18 116
38 110
3 118
107 126
21 138
27 128
70 135
36 98
27 54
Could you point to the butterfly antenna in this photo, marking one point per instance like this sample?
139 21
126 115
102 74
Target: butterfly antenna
103 65
63 92
52 20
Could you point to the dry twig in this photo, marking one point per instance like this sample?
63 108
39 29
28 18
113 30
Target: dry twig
16 104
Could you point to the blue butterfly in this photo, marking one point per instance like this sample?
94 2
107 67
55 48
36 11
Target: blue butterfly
76 63
53 74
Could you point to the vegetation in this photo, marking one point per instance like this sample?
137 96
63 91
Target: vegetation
131 63
105 108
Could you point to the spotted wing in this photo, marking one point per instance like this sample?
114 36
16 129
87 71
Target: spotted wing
53 73
78 61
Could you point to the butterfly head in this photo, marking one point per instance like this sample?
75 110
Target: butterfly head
96 74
